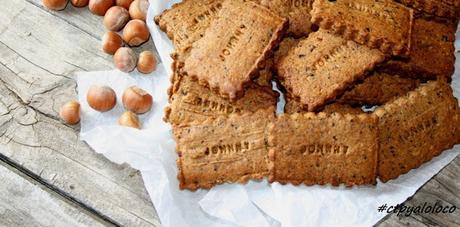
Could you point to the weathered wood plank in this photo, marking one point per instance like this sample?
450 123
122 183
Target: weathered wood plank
26 203
443 189
53 152
39 53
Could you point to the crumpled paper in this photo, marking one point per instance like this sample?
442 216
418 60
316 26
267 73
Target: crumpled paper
152 151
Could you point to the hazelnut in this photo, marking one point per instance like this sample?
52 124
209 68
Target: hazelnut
70 112
116 18
129 119
111 42
124 3
138 9
99 7
125 59
136 32
101 98
55 4
79 3
147 62
137 100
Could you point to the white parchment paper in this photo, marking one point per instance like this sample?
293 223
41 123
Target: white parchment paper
152 151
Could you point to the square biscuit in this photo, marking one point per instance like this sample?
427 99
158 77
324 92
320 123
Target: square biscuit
233 47
384 25
441 8
323 149
297 11
187 21
190 102
417 127
432 52
322 66
225 150
378 89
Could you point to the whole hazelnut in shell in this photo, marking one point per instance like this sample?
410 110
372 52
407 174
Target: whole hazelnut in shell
111 42
55 4
70 112
129 119
101 98
135 33
147 62
125 59
137 100
116 18
138 9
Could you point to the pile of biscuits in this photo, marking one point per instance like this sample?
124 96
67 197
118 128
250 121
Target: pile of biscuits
331 60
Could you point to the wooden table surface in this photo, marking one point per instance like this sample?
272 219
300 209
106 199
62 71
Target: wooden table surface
51 178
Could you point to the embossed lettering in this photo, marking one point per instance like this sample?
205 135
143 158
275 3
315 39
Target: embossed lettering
227 149
232 42
211 105
364 8
323 149
335 53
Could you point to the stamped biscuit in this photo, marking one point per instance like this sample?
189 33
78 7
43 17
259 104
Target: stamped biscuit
322 66
192 102
378 89
297 11
432 52
187 21
441 8
417 127
222 151
323 149
234 46
384 25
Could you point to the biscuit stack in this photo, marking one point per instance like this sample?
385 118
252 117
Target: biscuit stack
329 59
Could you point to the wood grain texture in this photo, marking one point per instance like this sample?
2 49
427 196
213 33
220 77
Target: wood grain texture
26 203
39 53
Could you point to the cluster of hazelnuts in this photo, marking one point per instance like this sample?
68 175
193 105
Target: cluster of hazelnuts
126 15
129 17
103 99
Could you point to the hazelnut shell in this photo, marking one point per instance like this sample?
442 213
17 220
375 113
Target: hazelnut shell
137 100
147 62
125 59
116 18
101 98
135 33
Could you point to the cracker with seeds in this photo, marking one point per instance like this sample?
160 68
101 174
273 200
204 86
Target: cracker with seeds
432 52
417 127
297 11
224 150
323 149
233 47
322 66
191 102
444 8
187 21
384 25
378 89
